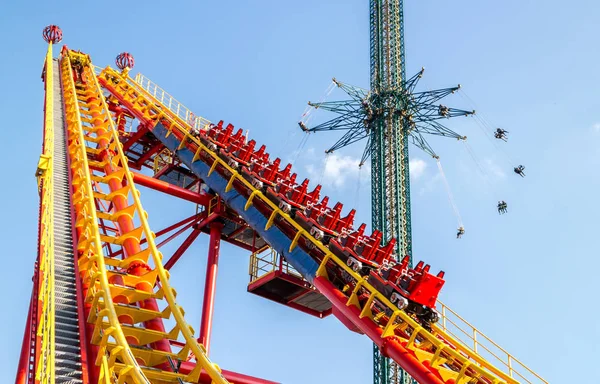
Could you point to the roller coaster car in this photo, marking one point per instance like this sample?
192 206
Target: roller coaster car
366 254
414 290
311 213
239 154
278 192
293 197
344 248
208 136
263 174
324 223
217 137
232 145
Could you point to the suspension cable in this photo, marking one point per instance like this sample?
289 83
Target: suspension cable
358 185
304 119
301 146
450 197
308 111
487 128
324 168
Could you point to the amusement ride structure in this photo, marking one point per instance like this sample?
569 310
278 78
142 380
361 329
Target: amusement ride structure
103 309
389 115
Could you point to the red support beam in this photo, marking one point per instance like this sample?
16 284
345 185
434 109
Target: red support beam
190 221
234 377
210 284
241 229
148 154
182 248
168 239
170 189
142 130
168 229
24 359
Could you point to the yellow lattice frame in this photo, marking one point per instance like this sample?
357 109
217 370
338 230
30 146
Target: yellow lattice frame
104 306
46 331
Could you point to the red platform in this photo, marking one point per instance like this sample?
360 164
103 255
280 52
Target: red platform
273 278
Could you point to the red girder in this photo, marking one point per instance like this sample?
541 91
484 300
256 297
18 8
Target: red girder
210 284
25 356
178 224
182 248
170 189
174 235
148 154
236 232
141 131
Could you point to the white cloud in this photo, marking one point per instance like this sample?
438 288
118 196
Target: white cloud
596 128
335 170
417 168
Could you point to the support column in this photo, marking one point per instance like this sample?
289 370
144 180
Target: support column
25 357
210 284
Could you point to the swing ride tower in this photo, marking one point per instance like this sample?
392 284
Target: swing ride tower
389 116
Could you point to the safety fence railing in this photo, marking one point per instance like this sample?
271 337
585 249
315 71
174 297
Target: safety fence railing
454 325
268 261
162 160
175 106
180 110
45 363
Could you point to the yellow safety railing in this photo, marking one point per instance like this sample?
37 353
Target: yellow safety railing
453 324
439 350
267 261
262 263
46 331
171 103
161 160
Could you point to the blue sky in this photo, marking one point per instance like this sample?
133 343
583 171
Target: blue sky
527 278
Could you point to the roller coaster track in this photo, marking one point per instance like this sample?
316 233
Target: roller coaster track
430 357
126 297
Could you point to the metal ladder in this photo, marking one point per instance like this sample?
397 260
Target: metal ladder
68 352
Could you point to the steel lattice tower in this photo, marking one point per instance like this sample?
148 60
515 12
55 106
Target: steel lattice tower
389 115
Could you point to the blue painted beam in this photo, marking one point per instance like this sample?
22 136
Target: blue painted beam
299 259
